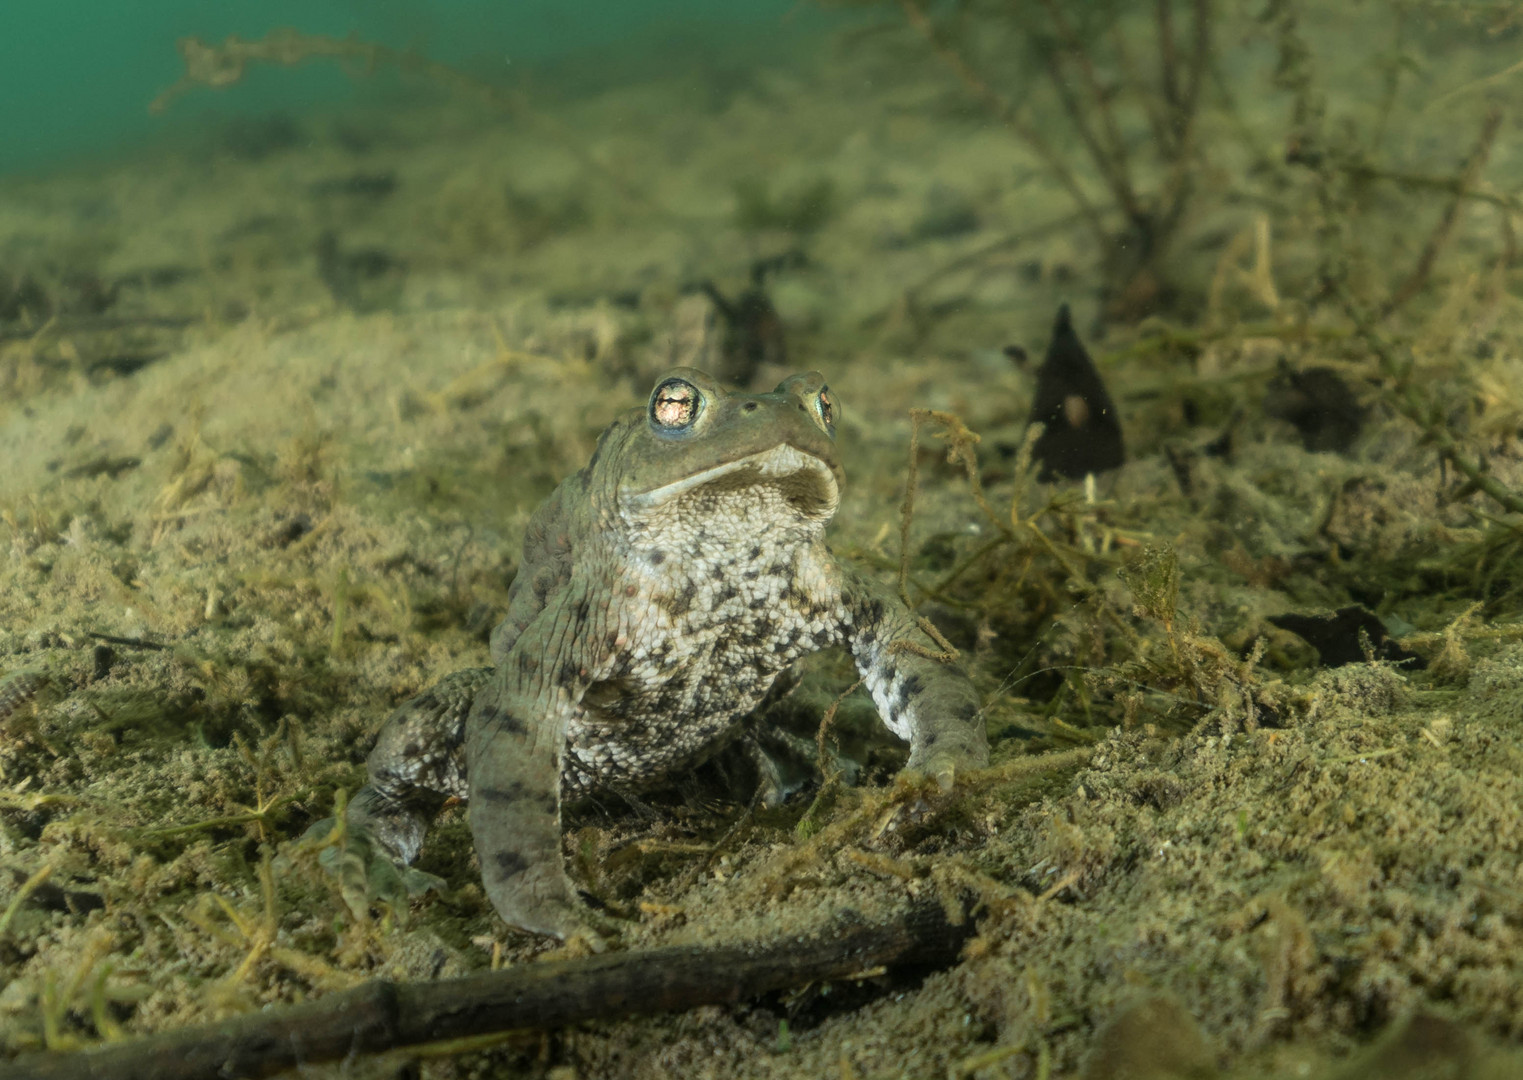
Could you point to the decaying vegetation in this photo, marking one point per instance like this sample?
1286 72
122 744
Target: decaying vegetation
1297 227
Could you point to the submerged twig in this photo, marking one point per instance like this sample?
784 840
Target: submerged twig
1407 400
1109 155
1440 235
1008 115
384 1015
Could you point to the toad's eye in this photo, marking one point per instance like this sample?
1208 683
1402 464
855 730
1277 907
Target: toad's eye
675 405
825 405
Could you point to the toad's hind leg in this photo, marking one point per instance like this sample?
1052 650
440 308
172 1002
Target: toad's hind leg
418 762
515 740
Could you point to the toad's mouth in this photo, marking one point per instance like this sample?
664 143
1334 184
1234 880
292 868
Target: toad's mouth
803 481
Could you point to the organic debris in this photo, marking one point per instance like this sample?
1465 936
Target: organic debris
1350 635
365 279
1081 432
754 334
1319 404
382 1016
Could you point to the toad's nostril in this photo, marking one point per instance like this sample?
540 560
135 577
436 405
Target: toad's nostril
749 406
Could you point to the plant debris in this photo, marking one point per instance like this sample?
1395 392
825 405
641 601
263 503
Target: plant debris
1320 405
1081 431
1350 635
754 334
366 279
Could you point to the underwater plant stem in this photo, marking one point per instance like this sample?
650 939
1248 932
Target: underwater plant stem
29 886
1183 125
259 816
1200 60
1138 87
1009 116
1114 177
1464 180
938 591
1168 52
1110 155
1392 81
1263 161
384 1015
1407 401
1484 481
1449 184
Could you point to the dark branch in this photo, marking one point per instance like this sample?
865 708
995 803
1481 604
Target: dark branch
1440 234
1009 115
381 1016
1109 151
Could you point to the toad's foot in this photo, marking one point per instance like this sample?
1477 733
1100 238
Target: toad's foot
368 869
942 757
943 764
538 898
581 930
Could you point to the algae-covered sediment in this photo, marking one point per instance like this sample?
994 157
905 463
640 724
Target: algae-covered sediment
260 486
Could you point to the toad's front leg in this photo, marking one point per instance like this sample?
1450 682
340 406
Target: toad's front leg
515 746
924 699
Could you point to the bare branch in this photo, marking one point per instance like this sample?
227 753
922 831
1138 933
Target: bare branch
1440 235
1008 115
383 1015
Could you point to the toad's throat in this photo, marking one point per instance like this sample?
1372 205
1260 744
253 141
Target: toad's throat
804 482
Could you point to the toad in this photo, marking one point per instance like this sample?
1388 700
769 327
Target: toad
661 592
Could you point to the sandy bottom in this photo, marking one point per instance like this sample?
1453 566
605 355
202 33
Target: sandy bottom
269 487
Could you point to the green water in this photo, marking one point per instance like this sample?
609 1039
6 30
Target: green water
77 77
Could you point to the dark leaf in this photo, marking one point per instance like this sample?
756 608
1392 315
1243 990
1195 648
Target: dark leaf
1083 432
1319 404
1350 635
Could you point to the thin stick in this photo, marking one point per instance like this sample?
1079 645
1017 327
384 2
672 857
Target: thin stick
1440 234
1009 116
384 1015
1183 114
1407 401
1168 55
1110 157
